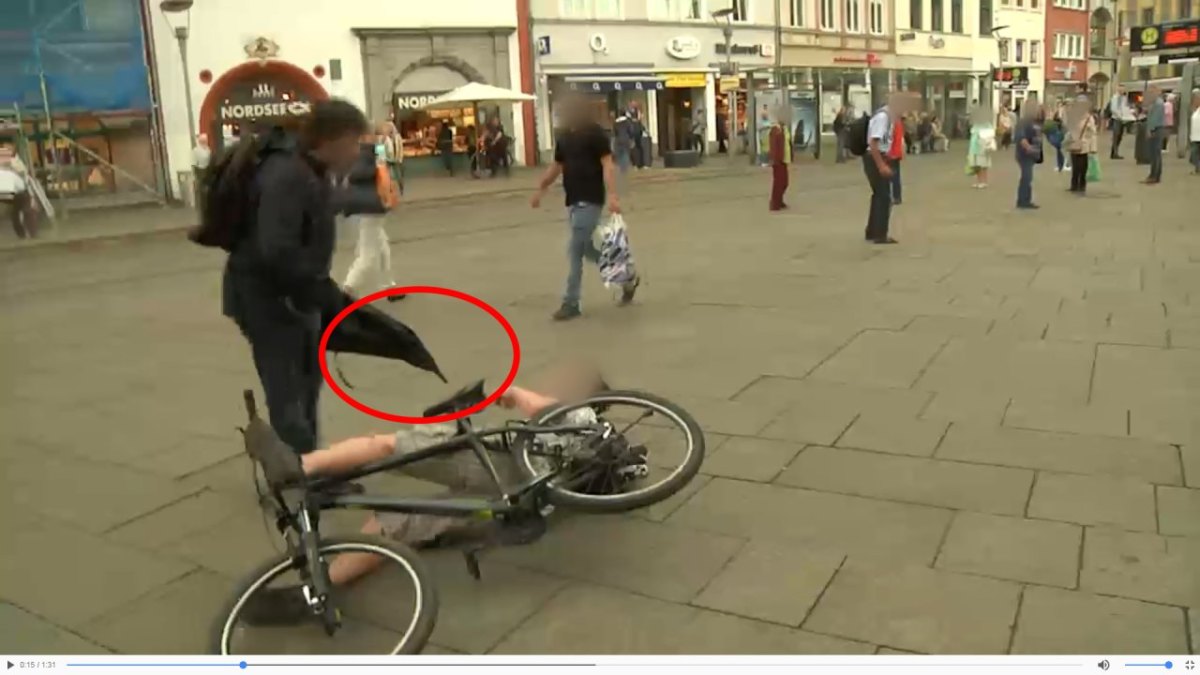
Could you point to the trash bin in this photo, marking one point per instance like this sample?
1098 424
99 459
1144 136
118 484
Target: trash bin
1141 148
187 188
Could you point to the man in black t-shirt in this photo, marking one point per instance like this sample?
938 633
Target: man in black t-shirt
583 157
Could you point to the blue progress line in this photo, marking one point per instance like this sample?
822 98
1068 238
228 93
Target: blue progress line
157 665
1167 664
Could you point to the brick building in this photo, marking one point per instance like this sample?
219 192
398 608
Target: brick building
1067 27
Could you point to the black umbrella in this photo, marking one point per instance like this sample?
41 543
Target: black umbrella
372 332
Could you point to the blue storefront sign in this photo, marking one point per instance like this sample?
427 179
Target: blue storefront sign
605 86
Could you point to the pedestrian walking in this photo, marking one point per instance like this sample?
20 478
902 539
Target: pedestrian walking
699 131
894 156
1120 115
201 158
623 142
1055 132
1156 121
583 158
1028 137
366 198
779 154
1168 119
1194 132
15 189
393 146
881 135
980 147
839 132
445 146
276 277
722 132
1080 142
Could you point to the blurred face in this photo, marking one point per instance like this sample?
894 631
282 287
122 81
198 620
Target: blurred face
339 154
571 381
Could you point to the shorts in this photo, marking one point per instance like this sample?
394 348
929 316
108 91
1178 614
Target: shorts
459 471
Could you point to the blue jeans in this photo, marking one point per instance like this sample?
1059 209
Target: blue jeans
896 194
621 154
1025 184
1155 139
583 219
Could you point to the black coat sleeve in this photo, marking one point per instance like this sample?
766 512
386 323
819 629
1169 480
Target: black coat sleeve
281 232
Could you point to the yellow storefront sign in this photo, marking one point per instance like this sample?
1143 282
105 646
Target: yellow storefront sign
730 82
684 80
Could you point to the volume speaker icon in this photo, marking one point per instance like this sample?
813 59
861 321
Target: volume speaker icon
1103 665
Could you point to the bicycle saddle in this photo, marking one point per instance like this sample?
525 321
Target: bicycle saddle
460 400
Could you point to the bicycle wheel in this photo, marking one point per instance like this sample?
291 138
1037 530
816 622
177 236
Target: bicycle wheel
655 453
366 608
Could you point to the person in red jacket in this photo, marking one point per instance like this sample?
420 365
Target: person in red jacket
894 156
779 154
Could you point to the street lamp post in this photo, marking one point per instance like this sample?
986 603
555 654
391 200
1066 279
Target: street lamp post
991 76
728 70
182 28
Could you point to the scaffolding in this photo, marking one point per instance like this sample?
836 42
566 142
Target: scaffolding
75 96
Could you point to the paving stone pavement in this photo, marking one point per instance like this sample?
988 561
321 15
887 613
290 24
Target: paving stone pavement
983 439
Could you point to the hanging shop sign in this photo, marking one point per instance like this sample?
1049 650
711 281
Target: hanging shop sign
730 82
605 86
1180 34
683 47
265 101
1011 78
684 80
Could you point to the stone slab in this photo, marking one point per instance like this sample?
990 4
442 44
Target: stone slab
881 359
1151 461
756 459
1178 511
173 619
1056 621
1094 500
956 485
886 431
1141 565
841 523
639 625
24 633
771 581
1018 549
918 608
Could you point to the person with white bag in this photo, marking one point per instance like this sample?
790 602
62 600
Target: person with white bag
369 194
583 157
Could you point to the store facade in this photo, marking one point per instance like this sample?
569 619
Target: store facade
671 70
1067 41
271 70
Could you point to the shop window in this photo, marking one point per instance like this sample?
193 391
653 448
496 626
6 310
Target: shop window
876 9
914 13
797 12
956 16
741 10
828 14
419 129
853 18
937 16
1035 52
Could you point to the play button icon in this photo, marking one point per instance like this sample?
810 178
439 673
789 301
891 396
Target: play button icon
10 665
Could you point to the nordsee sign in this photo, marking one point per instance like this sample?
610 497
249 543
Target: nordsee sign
683 47
259 110
415 101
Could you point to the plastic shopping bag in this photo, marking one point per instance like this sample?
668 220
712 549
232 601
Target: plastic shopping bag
1093 172
616 257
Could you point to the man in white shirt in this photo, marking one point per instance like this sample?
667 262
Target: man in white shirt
1194 131
14 189
201 158
1120 113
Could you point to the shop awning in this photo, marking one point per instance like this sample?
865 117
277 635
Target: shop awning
476 93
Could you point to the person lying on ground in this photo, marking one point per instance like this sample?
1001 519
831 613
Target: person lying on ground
461 472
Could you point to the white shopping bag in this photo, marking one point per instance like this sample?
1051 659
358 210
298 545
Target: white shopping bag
616 257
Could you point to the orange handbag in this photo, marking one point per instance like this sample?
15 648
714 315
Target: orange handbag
389 194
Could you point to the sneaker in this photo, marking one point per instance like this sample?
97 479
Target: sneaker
284 606
567 312
629 290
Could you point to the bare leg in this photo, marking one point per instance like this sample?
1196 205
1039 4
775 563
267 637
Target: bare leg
983 177
348 567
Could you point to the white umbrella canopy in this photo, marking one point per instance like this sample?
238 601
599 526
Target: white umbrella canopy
476 93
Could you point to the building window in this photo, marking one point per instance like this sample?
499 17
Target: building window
1035 52
798 12
1035 4
741 10
828 14
956 16
1071 4
677 10
914 13
853 20
1147 16
936 16
1020 51
1004 44
985 17
1068 46
591 9
1185 9
876 9
1020 3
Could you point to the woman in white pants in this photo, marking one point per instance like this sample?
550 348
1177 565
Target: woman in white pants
367 207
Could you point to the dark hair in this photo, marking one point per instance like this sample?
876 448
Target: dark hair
331 120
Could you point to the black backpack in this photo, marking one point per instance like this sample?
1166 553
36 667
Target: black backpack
856 135
227 196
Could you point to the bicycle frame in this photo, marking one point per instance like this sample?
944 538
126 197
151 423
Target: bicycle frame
505 503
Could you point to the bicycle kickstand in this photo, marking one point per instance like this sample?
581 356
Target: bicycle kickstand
471 555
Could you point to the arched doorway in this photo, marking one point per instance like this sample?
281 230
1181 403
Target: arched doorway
266 92
421 81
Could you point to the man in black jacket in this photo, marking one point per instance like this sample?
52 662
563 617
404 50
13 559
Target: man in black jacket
278 271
